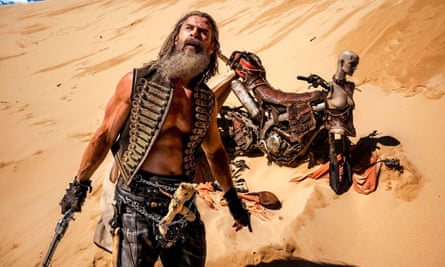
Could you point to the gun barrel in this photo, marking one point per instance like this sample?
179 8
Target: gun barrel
60 230
51 250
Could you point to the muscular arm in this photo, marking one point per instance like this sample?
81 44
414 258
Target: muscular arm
219 164
116 112
216 155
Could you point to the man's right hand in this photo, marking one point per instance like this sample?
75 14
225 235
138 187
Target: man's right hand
75 195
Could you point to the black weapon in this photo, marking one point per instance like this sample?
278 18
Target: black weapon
60 230
315 81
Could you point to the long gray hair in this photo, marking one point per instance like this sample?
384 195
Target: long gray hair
168 47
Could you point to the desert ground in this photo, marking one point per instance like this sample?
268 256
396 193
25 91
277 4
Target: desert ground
61 60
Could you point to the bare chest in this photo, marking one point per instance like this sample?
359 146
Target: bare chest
180 115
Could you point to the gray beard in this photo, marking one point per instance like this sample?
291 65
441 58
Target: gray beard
185 65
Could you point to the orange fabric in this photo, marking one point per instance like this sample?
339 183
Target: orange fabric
320 172
324 169
363 183
366 182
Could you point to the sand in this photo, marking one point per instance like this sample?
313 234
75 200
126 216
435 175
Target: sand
60 62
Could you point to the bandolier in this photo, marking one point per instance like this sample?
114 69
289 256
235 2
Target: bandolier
151 98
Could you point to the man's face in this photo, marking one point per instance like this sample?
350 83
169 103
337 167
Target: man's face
195 36
193 49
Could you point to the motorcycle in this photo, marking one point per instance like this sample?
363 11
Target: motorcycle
287 128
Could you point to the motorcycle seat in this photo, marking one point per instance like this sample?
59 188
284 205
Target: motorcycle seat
270 95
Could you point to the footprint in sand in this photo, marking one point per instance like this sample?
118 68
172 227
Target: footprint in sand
109 63
22 108
65 98
4 105
84 137
15 164
28 116
4 164
33 29
44 123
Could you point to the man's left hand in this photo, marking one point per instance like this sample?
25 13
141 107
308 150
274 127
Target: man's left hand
239 213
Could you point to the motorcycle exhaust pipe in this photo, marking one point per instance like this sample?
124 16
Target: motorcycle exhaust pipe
242 93
246 99
319 107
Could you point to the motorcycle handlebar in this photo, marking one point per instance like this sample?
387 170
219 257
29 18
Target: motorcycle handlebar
303 78
315 81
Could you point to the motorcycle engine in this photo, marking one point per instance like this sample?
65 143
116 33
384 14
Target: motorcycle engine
280 150
273 143
238 132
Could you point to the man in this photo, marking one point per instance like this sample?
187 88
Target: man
156 121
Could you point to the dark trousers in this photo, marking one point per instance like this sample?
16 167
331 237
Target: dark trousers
139 246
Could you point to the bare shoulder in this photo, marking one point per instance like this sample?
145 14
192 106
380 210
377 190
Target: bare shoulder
123 89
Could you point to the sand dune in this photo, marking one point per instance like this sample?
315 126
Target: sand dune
60 62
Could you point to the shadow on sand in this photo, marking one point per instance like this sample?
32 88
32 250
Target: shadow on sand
298 263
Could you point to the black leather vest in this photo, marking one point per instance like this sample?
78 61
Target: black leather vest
152 95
